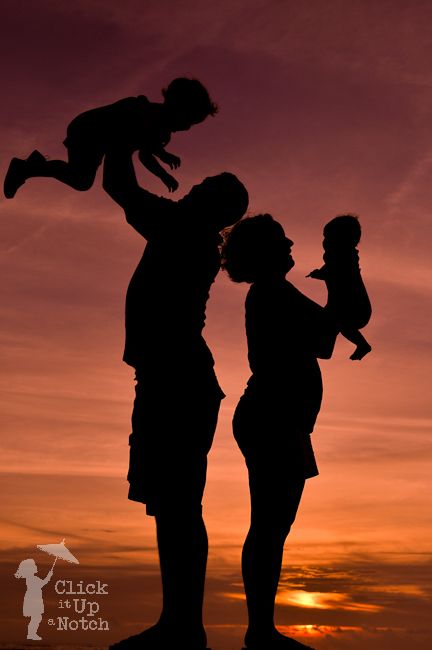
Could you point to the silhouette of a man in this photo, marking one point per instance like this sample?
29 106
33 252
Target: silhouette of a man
177 393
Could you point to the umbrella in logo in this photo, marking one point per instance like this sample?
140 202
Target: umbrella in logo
59 551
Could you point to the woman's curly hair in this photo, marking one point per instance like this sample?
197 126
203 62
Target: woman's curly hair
252 247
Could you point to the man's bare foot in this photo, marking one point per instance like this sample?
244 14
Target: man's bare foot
361 351
275 641
159 637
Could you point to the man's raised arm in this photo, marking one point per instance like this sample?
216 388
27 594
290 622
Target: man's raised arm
143 209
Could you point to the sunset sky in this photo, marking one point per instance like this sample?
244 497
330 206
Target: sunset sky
325 107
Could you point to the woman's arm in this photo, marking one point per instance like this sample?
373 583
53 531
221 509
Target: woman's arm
326 334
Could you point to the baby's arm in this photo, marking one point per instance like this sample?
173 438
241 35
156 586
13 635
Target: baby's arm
318 274
150 162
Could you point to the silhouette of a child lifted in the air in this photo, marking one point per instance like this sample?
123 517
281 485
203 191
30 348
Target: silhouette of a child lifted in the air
33 605
342 276
134 122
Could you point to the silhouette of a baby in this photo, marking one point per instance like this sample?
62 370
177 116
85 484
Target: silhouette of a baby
341 273
33 605
133 122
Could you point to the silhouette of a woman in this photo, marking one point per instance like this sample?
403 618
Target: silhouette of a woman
33 602
286 332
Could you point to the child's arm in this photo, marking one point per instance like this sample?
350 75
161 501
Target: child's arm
144 211
149 161
168 158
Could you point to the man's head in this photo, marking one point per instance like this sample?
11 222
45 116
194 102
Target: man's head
220 200
256 249
187 102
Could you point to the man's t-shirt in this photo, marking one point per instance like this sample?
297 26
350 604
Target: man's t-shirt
167 295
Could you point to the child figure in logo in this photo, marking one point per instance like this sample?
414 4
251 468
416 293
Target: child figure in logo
133 122
341 273
33 605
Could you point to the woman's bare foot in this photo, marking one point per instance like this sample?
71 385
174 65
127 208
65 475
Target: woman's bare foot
274 641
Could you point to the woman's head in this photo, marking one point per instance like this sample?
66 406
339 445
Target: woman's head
26 568
256 248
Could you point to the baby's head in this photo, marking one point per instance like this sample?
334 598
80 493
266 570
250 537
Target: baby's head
26 569
342 231
187 102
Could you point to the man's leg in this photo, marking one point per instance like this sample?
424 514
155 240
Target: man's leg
183 548
168 473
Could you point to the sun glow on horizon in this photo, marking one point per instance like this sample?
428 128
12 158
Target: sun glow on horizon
323 600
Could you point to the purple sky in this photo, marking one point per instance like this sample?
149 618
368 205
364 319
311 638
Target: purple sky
325 108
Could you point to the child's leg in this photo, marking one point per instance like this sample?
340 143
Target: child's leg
356 337
79 172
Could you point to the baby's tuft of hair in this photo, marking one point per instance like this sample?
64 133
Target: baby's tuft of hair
344 228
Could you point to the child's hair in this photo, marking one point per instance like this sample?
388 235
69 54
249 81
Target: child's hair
344 228
252 247
190 97
26 568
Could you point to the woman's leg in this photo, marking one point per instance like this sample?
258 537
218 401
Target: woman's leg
274 504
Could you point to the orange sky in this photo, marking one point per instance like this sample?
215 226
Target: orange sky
325 107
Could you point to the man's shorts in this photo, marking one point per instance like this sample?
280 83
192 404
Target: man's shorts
172 432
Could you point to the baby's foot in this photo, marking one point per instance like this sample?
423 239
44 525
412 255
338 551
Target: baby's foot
276 641
361 351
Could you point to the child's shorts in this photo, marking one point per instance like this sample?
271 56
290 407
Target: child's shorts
83 146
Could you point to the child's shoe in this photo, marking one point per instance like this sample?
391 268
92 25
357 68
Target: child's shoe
19 171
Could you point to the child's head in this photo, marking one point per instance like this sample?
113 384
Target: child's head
26 569
187 102
256 248
344 230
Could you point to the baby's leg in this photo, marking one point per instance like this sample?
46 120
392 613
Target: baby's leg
356 337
